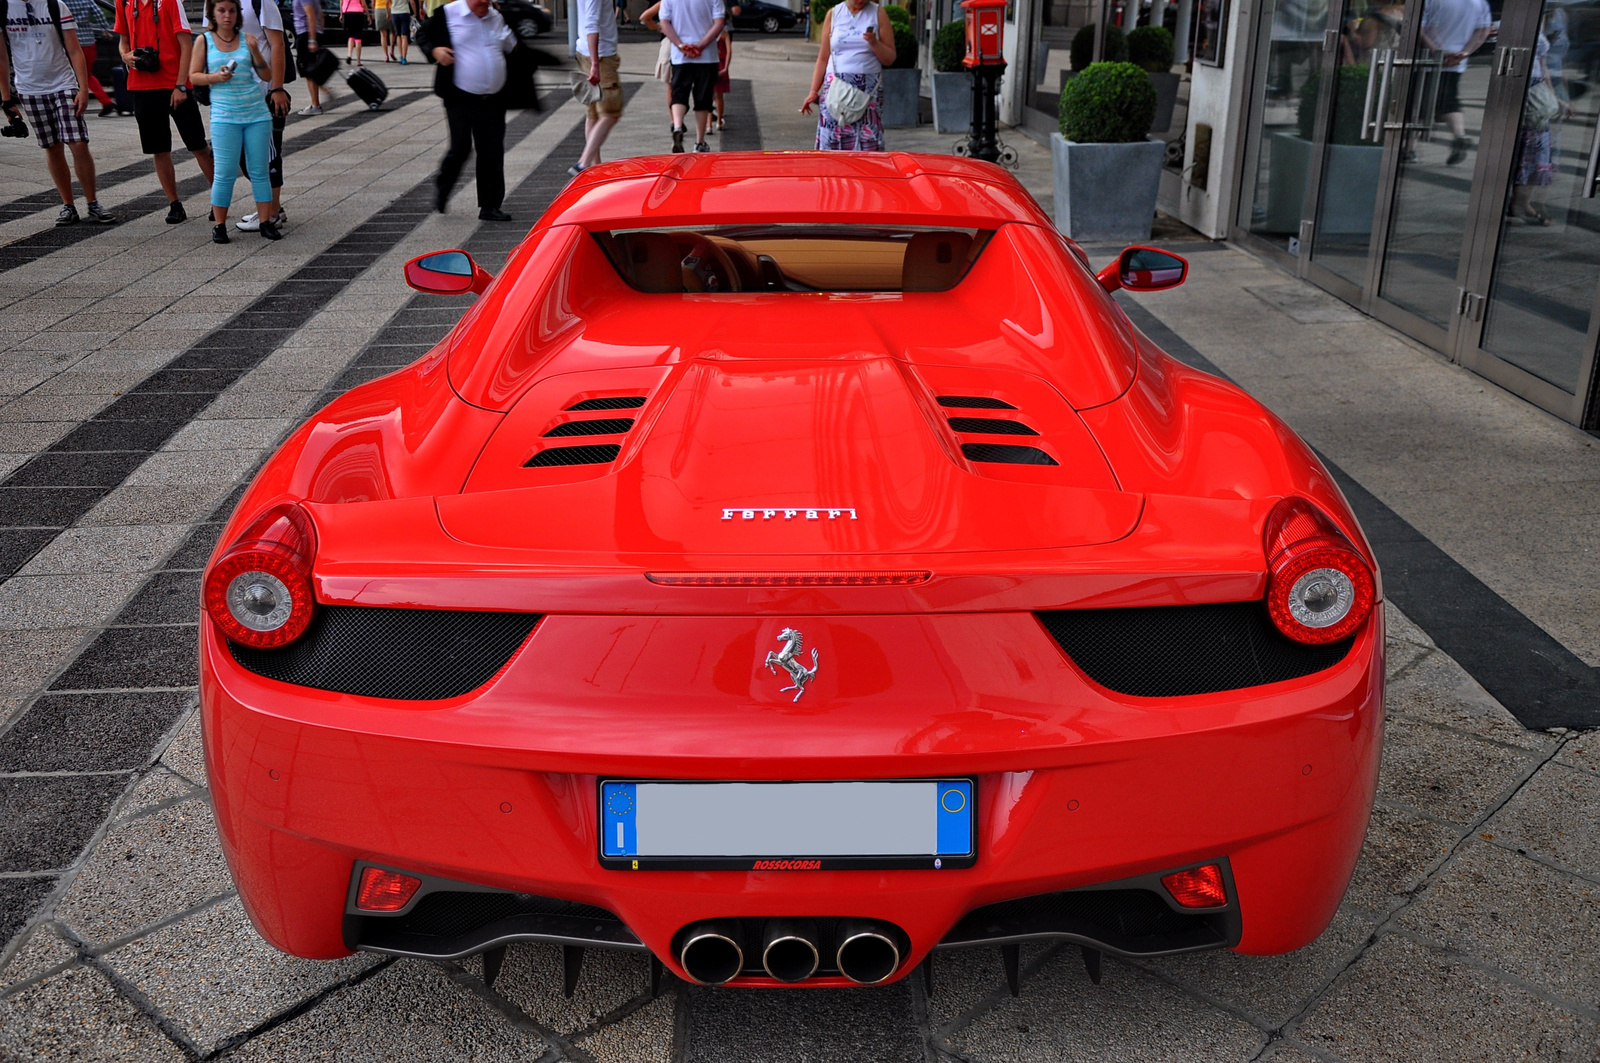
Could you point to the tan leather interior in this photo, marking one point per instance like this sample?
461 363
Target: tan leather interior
653 262
934 261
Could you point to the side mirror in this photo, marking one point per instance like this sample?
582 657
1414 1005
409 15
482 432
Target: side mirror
447 273
1143 269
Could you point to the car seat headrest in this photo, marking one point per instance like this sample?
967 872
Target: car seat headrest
934 261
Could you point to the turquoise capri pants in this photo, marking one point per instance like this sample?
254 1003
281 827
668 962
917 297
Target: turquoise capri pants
228 139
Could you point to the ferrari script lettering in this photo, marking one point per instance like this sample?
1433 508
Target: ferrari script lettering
799 674
786 865
790 513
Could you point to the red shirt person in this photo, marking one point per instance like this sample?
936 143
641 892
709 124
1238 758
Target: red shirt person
155 41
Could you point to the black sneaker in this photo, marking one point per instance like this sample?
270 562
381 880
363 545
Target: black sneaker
493 214
1458 150
99 214
219 234
108 111
269 231
701 145
176 214
677 139
68 215
441 200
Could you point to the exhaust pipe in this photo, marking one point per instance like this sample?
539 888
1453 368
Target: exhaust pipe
868 952
711 954
789 949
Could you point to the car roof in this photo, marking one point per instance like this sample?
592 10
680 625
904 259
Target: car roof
882 187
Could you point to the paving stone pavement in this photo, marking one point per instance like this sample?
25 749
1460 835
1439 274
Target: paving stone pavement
1468 932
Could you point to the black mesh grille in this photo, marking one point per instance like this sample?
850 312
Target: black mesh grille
1006 454
1123 913
599 426
619 402
448 913
418 654
1171 651
974 402
991 426
593 454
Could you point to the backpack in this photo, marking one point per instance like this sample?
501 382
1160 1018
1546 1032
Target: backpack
287 18
55 18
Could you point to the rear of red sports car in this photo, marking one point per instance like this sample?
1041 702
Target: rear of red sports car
792 566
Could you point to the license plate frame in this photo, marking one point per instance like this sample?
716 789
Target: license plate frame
953 826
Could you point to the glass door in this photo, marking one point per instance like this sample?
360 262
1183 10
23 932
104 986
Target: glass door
1530 310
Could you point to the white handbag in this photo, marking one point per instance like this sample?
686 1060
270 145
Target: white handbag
845 102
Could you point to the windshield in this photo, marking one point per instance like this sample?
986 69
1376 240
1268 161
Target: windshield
794 258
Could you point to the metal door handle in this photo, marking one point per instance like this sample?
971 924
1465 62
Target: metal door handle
1372 116
1591 177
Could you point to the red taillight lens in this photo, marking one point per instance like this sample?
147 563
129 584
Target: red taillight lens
1319 587
1198 887
259 591
385 891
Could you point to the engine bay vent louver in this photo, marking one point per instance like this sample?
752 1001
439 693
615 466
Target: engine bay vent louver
993 426
413 654
973 402
1006 454
616 402
599 426
1173 651
591 454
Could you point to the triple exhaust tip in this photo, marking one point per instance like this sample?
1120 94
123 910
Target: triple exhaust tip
868 952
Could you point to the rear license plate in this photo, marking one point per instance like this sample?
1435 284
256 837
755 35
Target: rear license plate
787 826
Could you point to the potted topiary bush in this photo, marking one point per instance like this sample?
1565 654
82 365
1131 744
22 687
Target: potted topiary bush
1083 47
1351 170
902 82
1107 170
952 84
1152 48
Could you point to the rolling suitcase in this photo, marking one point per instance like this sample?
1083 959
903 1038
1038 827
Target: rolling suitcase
368 86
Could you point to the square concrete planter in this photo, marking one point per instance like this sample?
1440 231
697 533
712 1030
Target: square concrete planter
901 88
1106 191
1349 187
952 102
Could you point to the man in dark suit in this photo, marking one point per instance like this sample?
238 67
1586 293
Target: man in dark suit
468 40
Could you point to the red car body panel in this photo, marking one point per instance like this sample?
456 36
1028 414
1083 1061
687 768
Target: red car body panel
1165 477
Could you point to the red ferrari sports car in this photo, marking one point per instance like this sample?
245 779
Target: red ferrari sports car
790 566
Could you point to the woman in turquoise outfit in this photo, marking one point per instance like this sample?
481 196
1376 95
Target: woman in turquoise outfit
240 121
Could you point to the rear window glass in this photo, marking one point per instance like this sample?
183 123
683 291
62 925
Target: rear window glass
794 258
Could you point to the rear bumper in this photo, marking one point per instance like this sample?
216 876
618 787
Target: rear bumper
1077 788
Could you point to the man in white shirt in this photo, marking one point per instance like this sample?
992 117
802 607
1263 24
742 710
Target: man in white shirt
42 50
1457 28
692 26
469 40
262 20
598 61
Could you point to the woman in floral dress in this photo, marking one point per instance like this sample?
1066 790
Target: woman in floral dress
857 43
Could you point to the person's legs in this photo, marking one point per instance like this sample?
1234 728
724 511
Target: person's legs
275 163
257 148
83 166
192 130
227 142
598 129
489 136
705 79
166 175
95 88
151 110
458 117
681 88
55 160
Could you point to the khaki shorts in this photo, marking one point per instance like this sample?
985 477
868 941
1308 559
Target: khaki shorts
610 102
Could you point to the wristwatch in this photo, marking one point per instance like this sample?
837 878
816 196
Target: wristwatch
182 88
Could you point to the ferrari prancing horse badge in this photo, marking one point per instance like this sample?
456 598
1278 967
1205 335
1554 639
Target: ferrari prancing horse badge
799 674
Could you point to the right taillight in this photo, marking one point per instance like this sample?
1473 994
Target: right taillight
1319 587
259 591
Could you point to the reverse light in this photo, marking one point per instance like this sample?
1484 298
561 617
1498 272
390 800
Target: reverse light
1319 587
385 891
1198 887
259 591
788 579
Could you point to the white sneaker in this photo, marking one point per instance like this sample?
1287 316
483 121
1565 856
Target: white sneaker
251 223
309 112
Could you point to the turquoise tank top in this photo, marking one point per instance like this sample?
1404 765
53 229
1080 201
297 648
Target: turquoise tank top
238 100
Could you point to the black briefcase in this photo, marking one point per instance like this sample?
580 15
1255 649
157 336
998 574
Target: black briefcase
317 66
368 86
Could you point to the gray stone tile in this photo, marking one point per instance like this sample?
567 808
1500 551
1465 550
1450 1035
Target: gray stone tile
40 951
32 407
1557 816
189 467
257 433
962 978
1438 691
121 548
213 976
531 979
251 404
1398 852
28 658
157 787
33 436
144 871
91 382
1283 1052
20 899
642 1037
409 1011
1517 915
46 820
1452 776
77 1015
1582 753
155 504
91 732
1402 1002
186 755
81 600
738 1025
1130 1016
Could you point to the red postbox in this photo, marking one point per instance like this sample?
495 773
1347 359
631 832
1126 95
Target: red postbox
986 34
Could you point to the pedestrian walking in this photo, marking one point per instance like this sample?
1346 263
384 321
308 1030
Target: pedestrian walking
86 17
156 42
229 64
385 27
353 13
1457 28
307 27
692 26
724 84
599 63
400 19
261 20
43 55
847 82
621 11
469 40
649 19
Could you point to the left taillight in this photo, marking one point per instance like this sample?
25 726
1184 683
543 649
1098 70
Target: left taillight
1319 587
259 591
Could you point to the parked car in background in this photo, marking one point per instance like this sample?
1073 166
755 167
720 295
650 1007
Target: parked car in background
768 18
